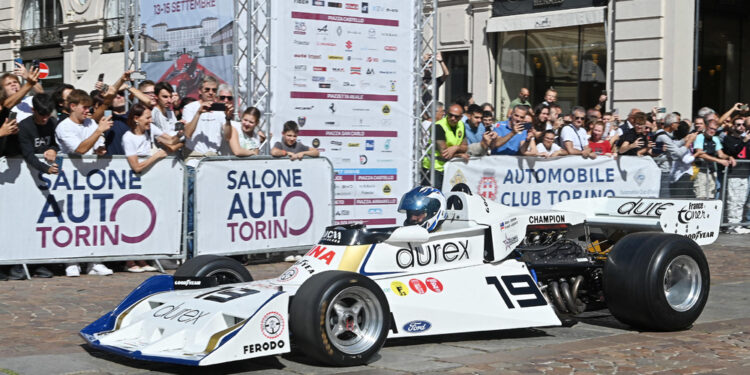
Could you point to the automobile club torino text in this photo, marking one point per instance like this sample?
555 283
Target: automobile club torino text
258 210
425 255
81 209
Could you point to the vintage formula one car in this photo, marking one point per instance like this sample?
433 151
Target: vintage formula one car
495 267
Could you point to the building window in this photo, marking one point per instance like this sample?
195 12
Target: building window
457 83
573 60
39 23
115 26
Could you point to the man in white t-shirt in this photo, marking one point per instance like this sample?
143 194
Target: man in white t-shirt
203 128
573 136
79 134
162 116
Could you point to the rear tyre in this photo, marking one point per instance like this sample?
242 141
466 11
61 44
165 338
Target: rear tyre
339 318
656 281
225 270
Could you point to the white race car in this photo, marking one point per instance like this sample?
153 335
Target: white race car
481 266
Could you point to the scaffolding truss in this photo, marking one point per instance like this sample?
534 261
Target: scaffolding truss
425 103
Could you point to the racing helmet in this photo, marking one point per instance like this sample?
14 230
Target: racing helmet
425 206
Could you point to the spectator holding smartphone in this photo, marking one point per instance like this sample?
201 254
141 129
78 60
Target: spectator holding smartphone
244 137
290 147
80 134
37 135
204 120
512 137
13 94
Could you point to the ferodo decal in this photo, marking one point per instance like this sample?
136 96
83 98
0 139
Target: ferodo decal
272 325
546 219
257 348
399 288
418 286
289 274
322 253
434 284
425 255
417 326
640 208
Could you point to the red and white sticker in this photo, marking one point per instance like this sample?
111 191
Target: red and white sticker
272 325
434 284
417 286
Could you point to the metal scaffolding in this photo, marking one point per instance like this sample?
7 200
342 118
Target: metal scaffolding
258 61
425 46
132 36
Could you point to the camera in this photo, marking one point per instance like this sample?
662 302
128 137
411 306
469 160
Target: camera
218 107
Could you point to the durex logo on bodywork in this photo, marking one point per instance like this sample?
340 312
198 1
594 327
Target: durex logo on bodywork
417 326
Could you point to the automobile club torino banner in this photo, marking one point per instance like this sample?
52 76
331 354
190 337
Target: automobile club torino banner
344 72
185 40
94 208
541 183
257 205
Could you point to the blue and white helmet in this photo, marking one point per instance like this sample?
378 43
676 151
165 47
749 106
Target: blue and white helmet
425 206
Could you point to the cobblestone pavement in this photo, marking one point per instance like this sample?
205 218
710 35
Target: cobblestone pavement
41 319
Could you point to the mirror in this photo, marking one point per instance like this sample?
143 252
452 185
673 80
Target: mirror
410 233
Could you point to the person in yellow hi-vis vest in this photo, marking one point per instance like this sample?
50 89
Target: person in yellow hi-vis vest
450 142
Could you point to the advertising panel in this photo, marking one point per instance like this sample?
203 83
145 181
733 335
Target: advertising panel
344 72
183 41
541 183
256 205
92 208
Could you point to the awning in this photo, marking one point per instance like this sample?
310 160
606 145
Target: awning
547 20
111 64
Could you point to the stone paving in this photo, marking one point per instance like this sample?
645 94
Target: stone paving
41 317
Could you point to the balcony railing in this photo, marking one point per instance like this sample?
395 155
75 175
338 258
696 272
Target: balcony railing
114 27
41 37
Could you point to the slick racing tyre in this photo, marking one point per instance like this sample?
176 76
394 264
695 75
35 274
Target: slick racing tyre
656 281
339 318
225 270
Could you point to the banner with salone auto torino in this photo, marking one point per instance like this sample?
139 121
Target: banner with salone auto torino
95 207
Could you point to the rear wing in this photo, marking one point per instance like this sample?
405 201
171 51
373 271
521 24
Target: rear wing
698 220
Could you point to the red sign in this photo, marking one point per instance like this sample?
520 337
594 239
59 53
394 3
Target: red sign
434 284
43 70
417 286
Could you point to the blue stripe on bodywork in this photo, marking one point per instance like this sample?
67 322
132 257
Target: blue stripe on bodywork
152 285
367 257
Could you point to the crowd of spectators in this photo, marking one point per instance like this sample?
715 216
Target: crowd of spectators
72 121
692 153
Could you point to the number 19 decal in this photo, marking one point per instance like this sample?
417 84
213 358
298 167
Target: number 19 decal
528 288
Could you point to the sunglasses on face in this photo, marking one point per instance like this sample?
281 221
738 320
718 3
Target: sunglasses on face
226 97
454 116
579 118
739 124
211 89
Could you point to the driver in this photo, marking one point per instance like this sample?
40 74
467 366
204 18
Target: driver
423 206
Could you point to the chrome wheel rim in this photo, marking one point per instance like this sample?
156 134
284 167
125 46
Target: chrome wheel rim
354 320
682 283
226 276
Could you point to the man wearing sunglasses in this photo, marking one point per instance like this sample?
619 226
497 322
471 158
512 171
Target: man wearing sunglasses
574 139
203 125
450 141
708 152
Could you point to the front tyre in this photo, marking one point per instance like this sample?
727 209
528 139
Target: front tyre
656 281
225 270
339 318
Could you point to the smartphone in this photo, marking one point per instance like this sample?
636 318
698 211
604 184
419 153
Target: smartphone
35 63
745 108
139 75
615 111
661 110
179 126
218 107
101 77
107 112
12 115
488 128
58 161
527 126
19 61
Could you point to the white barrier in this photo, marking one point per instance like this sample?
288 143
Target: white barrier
255 205
94 208
536 182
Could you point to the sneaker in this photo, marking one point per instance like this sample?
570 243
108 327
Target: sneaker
741 230
72 270
135 269
100 270
290 259
43 272
297 257
17 272
149 268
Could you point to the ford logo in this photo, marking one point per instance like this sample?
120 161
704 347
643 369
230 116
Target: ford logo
417 326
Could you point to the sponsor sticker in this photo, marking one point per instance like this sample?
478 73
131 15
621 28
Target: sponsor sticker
399 288
262 347
272 325
434 284
417 326
289 274
417 286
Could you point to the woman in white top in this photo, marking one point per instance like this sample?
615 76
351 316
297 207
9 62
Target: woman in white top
138 141
244 137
